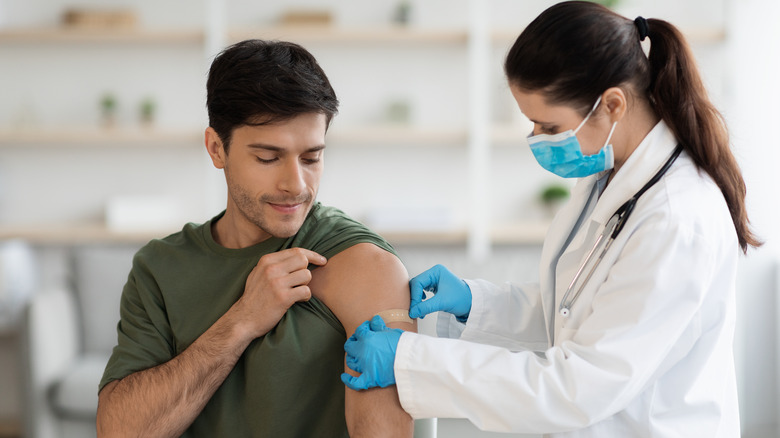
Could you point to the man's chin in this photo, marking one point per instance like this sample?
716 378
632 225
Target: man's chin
287 227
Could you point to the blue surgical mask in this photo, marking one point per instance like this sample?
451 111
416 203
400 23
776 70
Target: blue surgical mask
562 155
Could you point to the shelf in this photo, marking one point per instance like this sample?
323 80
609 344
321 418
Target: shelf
707 35
331 34
524 233
530 232
417 238
521 233
99 136
301 34
78 234
371 135
110 36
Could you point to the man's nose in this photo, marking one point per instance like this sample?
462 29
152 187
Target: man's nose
292 180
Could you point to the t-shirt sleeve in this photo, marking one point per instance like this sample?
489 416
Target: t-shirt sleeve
332 231
144 337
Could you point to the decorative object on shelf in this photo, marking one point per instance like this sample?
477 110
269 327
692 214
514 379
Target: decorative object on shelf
88 18
552 197
108 109
305 17
398 112
403 12
147 110
140 213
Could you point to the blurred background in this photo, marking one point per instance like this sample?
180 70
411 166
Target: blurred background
102 113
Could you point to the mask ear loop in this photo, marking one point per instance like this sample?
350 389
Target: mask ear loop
609 137
611 131
595 105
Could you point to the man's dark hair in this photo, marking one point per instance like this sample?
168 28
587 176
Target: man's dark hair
256 82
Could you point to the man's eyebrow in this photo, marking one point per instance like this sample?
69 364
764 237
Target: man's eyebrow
272 148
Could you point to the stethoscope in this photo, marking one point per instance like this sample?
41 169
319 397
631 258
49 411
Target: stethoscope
612 229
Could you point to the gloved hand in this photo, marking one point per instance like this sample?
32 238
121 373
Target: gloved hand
371 352
452 295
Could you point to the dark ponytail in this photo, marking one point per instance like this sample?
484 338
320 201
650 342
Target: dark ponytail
575 50
679 97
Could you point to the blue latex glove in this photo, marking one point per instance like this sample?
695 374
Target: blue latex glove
371 352
451 294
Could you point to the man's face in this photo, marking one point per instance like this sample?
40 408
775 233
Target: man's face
273 173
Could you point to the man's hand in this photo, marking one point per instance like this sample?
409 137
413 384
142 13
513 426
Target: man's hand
278 281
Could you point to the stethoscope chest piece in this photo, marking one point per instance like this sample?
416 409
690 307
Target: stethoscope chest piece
564 312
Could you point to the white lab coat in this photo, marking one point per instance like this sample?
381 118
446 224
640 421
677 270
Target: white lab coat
647 349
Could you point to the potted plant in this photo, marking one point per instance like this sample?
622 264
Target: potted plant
552 197
108 107
147 111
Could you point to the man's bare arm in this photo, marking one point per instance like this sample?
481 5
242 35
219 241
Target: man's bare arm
356 284
164 400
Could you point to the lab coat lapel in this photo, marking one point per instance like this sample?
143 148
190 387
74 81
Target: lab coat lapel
560 229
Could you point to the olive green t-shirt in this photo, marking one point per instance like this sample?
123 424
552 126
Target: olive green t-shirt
286 384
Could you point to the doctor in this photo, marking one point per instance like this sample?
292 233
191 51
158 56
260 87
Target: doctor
629 332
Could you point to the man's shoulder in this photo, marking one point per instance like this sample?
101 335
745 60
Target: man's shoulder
188 239
327 215
328 230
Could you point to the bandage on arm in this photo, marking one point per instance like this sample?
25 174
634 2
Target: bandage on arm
396 315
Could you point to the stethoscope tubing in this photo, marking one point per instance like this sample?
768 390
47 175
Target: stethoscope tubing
622 214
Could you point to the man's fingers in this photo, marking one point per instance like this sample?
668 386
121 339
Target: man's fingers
292 259
300 277
300 293
302 257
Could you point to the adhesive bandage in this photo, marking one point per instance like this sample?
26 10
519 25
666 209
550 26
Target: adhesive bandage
396 315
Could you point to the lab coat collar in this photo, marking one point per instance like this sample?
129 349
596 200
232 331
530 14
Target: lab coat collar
643 163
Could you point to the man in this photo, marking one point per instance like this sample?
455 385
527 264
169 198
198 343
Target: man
236 327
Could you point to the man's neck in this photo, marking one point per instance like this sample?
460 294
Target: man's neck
234 231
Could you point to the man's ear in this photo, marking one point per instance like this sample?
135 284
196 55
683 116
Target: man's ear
215 148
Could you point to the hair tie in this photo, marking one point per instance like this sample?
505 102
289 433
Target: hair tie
642 26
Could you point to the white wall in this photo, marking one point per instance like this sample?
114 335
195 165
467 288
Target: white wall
60 84
753 114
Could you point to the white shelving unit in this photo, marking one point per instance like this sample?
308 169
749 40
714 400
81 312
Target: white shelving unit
97 137
474 140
